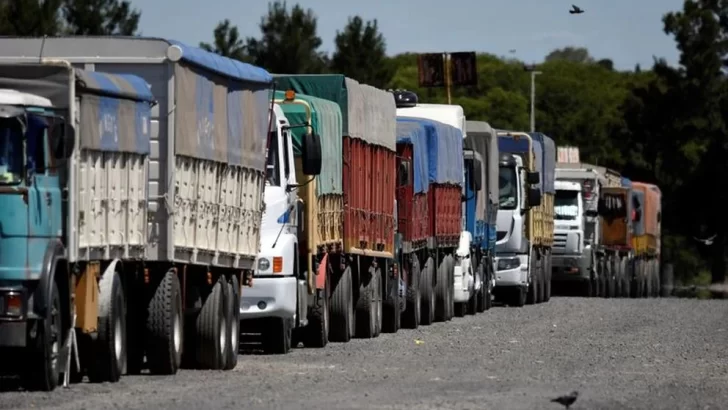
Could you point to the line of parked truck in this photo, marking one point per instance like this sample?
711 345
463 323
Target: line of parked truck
158 201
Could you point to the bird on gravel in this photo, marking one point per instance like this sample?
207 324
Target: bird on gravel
575 10
568 400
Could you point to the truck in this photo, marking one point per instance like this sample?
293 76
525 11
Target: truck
448 251
284 304
155 243
525 233
645 276
481 144
350 207
585 261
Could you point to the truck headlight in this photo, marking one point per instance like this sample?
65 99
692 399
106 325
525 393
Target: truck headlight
508 263
263 264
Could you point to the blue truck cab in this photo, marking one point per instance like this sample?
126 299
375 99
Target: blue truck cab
34 141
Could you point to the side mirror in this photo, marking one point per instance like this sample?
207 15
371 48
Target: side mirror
533 178
311 155
404 173
63 139
534 197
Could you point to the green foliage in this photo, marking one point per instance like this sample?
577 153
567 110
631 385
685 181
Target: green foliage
361 53
227 42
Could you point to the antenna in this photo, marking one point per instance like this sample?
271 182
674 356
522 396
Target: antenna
42 46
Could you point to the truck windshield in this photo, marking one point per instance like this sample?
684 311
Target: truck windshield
566 205
272 171
11 151
508 186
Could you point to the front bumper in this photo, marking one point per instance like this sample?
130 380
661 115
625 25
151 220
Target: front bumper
512 275
269 297
463 283
570 267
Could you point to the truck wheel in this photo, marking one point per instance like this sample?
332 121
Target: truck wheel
110 346
441 289
411 319
366 307
450 276
165 327
316 333
277 336
43 372
541 295
342 309
212 330
587 288
519 295
233 306
427 293
379 303
392 315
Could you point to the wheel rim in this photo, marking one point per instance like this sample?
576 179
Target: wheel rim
55 337
118 337
177 331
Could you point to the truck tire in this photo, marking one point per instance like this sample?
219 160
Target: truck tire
233 305
316 332
378 302
342 315
518 296
547 276
427 293
441 290
450 275
165 327
43 372
391 321
212 330
541 295
367 309
278 335
110 345
411 315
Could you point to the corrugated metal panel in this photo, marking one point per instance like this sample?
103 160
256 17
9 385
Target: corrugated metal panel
415 134
326 121
380 116
445 151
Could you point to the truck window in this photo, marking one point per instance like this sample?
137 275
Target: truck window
272 171
11 151
508 187
566 205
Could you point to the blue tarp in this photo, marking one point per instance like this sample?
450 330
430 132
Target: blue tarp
626 182
222 65
415 134
107 104
445 151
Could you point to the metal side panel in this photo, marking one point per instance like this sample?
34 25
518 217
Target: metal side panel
160 171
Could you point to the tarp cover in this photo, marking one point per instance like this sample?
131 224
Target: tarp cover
445 151
219 119
482 139
368 113
326 122
115 109
415 134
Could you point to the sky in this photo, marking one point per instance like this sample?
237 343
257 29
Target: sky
629 32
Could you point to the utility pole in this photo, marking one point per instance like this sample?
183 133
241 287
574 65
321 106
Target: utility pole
532 69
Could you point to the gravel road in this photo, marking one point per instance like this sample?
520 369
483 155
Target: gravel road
618 353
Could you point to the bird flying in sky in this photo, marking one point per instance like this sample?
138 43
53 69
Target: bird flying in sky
575 10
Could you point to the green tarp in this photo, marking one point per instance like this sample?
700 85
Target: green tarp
330 87
326 120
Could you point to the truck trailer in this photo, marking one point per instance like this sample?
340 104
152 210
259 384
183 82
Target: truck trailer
156 247
447 251
525 217
646 241
350 243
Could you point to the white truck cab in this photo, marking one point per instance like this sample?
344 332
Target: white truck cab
277 303
512 247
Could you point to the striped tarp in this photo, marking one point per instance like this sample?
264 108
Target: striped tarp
115 112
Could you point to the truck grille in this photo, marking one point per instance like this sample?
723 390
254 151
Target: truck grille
560 240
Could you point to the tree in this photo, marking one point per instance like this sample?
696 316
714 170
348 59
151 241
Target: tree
30 17
573 54
289 43
227 42
100 17
361 53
